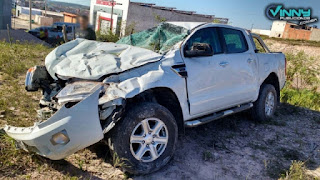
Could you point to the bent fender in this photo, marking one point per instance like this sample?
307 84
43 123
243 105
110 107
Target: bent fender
67 131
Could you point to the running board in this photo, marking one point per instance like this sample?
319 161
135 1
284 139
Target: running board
217 115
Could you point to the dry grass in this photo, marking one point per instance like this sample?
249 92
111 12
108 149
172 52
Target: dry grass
297 171
293 42
17 107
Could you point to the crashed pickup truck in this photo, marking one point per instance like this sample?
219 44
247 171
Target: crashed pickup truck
138 94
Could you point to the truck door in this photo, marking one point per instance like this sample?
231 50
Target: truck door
223 80
204 82
240 72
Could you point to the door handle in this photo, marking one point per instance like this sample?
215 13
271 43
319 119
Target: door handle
250 60
223 64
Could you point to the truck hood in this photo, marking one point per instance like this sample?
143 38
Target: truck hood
91 60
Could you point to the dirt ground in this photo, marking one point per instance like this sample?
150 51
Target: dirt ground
18 23
277 46
231 148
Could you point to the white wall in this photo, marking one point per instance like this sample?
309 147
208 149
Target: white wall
261 32
278 28
107 15
26 10
121 5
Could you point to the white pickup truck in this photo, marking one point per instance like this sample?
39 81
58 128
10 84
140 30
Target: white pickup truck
138 94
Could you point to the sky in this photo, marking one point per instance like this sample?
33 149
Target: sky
241 13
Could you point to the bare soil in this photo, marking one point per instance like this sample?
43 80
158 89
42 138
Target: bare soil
277 46
230 148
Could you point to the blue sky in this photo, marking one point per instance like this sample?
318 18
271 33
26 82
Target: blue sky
242 13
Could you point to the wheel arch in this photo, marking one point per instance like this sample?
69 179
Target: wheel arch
273 80
165 97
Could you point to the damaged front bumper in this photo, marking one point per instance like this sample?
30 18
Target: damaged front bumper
67 131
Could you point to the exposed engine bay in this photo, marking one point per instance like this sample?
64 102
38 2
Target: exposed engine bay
59 93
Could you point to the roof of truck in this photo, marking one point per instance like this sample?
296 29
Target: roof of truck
193 25
187 25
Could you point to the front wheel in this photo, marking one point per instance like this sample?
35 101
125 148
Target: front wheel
266 104
145 138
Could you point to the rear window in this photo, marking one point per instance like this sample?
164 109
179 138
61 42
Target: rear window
235 40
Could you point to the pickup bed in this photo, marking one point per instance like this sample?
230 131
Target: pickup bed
138 94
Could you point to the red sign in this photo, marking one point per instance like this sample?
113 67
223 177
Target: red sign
105 2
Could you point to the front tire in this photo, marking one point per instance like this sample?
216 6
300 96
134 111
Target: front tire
266 104
145 138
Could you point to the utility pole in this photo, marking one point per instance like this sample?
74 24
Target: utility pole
111 23
45 8
30 15
252 27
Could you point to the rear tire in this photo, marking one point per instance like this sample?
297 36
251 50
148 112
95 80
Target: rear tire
266 104
144 152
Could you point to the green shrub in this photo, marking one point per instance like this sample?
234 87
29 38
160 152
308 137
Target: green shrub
109 37
303 98
297 171
302 82
301 71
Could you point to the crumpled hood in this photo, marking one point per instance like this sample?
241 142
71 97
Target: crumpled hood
91 60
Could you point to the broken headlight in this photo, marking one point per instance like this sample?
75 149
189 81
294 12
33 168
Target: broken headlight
37 77
77 91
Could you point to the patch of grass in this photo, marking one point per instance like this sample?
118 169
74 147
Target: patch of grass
297 171
302 82
301 71
207 155
80 163
12 161
304 98
118 162
17 58
16 105
68 177
109 37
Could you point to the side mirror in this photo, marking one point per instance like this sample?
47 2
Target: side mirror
199 49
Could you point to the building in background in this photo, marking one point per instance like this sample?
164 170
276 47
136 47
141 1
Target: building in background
288 30
5 13
261 32
41 17
56 16
125 17
21 11
69 17
277 28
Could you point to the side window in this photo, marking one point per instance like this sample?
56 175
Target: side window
206 35
259 47
69 29
235 40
